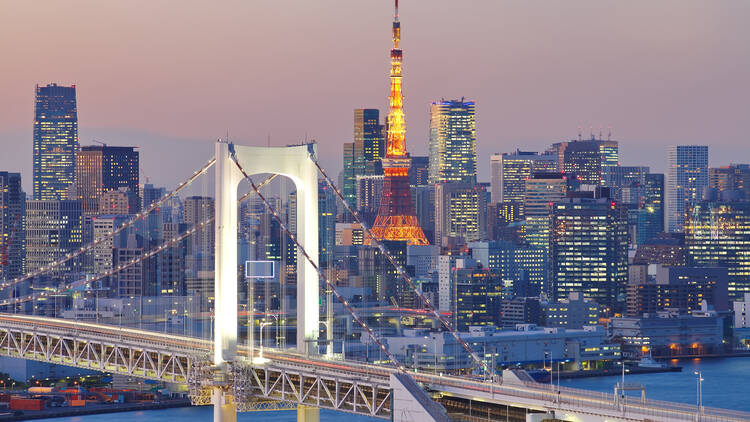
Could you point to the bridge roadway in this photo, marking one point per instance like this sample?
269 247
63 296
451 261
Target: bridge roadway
313 381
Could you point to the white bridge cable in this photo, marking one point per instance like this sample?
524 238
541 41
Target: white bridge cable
110 235
402 272
137 260
309 259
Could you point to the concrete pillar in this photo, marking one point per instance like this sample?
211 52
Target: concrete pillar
224 408
307 414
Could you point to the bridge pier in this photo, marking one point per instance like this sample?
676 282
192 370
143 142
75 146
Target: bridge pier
225 409
307 414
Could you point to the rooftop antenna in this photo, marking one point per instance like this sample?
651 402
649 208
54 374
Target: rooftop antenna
99 142
395 15
580 129
268 139
600 132
609 135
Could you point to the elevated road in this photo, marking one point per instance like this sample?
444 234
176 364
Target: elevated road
353 387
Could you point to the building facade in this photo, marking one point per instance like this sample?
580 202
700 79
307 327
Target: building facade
453 142
12 232
686 181
55 141
103 168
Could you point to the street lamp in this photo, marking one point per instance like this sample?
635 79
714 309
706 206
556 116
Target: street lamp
260 353
699 393
329 338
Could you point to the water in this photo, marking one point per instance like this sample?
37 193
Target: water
725 385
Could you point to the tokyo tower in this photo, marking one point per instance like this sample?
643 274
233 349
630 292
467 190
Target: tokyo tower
396 218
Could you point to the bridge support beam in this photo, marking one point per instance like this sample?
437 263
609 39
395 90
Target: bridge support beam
307 414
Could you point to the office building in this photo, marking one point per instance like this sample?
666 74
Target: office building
198 209
326 224
742 312
586 160
650 220
477 294
453 142
734 177
53 229
520 310
419 172
115 202
509 172
669 334
460 212
589 249
55 141
527 345
369 142
542 191
103 168
369 192
171 264
681 289
575 312
686 182
717 234
12 232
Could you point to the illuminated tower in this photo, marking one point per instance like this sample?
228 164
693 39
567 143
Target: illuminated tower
396 218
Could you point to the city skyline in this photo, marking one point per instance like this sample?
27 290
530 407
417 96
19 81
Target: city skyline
672 56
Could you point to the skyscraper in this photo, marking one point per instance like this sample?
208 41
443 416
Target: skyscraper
369 143
396 218
55 141
12 235
103 168
586 159
589 249
717 234
198 209
511 170
651 209
453 142
686 181
53 229
460 211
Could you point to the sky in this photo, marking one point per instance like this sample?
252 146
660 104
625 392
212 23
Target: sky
173 76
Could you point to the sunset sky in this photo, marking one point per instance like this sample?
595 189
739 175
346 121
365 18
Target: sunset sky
178 74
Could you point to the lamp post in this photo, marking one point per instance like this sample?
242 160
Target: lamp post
699 393
262 324
329 343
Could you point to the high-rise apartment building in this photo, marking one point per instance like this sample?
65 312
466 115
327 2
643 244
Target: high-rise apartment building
586 160
419 172
12 233
55 141
717 234
686 181
511 170
589 249
103 168
453 142
53 229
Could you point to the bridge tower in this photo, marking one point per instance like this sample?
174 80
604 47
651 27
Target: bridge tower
296 163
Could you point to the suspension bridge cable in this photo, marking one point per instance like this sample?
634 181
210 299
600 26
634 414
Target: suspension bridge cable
151 253
330 285
401 270
110 235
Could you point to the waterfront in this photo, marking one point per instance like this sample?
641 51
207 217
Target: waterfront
719 390
724 385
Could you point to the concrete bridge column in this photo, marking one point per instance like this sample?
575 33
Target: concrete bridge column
308 414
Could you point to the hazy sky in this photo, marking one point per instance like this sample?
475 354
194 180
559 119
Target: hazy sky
168 74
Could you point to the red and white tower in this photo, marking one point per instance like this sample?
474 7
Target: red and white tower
396 218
